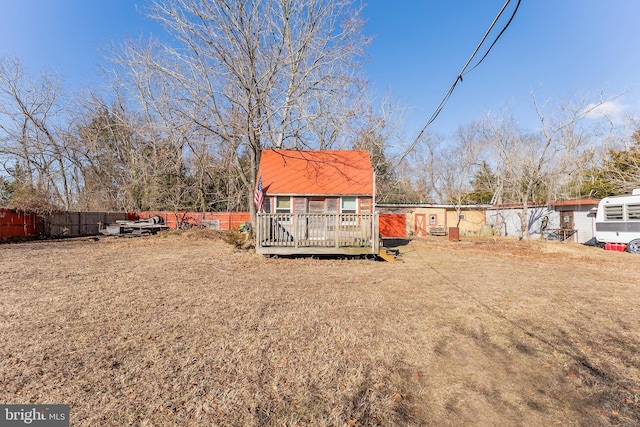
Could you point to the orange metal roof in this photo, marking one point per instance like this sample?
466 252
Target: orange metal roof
307 172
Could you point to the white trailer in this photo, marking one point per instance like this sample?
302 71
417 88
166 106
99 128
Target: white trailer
618 221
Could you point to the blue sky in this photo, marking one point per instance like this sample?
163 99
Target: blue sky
557 48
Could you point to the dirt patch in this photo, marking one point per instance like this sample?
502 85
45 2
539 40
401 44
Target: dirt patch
183 328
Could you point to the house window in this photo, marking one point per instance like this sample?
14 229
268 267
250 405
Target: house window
348 205
283 207
283 204
433 219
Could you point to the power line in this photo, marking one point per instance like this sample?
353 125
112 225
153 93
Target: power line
464 70
513 15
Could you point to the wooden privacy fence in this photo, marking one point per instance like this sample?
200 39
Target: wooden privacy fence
79 223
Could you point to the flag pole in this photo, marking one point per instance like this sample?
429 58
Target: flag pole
374 217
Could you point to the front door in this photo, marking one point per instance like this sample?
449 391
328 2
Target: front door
420 225
566 220
317 225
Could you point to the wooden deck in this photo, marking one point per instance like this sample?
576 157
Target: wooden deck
317 234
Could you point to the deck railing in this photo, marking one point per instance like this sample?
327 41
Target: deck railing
302 230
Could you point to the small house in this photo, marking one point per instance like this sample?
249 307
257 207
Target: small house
315 202
420 219
566 220
575 219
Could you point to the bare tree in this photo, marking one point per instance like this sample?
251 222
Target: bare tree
127 161
252 74
377 131
100 143
533 167
465 157
423 169
32 141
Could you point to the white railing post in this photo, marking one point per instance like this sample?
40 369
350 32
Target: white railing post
294 225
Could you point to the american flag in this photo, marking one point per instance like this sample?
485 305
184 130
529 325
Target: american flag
258 195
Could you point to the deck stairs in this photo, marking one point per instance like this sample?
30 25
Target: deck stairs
390 255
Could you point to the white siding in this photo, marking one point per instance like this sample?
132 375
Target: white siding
584 224
506 221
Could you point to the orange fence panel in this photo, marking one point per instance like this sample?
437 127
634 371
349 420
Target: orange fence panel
392 225
216 220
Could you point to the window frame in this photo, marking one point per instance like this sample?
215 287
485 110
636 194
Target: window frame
614 213
284 213
353 211
633 211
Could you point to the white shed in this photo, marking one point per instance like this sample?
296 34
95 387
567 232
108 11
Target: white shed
578 215
571 220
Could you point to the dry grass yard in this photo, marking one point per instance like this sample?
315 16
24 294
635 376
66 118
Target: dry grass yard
188 330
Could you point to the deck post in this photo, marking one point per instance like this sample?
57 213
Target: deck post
374 234
258 232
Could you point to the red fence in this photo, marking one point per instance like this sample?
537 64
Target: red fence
392 225
15 225
19 224
215 220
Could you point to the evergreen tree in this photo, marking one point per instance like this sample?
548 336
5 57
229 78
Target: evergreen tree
618 174
484 184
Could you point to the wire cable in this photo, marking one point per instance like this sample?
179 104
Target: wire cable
513 15
464 72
